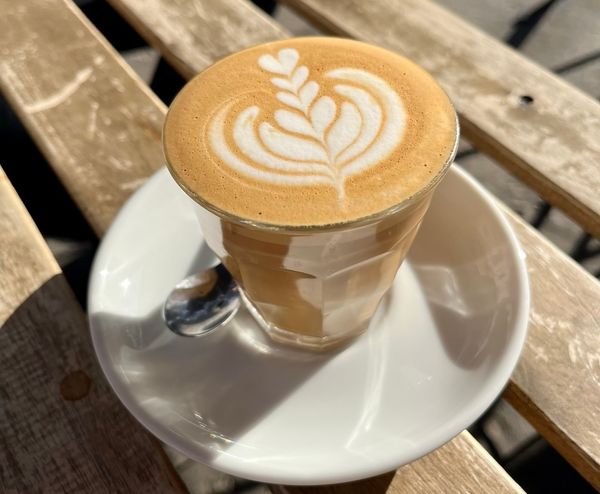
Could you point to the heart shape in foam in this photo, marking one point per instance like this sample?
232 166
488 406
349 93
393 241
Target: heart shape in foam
284 63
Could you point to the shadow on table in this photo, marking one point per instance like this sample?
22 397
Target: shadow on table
61 427
206 391
373 485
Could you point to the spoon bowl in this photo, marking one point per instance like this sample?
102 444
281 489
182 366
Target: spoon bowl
202 302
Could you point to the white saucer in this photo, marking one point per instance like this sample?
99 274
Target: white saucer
439 351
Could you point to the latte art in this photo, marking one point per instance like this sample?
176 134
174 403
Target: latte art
309 131
317 139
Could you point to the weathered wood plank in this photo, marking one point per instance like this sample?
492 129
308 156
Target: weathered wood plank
556 385
444 470
192 35
95 180
552 144
61 428
93 118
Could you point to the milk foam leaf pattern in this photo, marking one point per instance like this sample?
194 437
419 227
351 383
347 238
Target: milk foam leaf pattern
322 114
299 77
290 99
318 139
345 130
293 122
307 94
289 145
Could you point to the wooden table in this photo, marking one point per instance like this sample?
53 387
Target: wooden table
99 126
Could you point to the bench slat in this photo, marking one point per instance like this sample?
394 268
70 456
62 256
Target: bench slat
61 428
556 385
72 149
538 143
92 117
192 35
431 474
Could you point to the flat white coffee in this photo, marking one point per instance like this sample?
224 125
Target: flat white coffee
309 131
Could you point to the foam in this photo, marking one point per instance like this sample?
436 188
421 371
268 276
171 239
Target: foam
309 131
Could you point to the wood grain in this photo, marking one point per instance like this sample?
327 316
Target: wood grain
458 467
61 428
192 35
553 144
93 118
556 385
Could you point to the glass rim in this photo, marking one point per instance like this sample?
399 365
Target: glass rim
341 225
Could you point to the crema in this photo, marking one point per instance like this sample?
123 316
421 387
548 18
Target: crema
309 131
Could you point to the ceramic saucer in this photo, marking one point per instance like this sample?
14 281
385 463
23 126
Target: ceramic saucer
438 352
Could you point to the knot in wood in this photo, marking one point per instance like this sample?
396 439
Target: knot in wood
75 386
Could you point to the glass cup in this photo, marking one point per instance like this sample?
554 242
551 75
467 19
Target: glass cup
315 287
303 112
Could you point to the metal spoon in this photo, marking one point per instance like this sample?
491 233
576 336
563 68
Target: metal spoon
202 302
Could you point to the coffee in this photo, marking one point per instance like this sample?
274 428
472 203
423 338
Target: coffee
340 128
314 160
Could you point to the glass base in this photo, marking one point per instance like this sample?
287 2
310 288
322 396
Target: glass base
285 337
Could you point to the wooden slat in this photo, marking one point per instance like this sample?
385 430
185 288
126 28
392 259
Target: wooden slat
43 53
542 388
191 35
93 118
553 144
445 470
61 428
556 385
